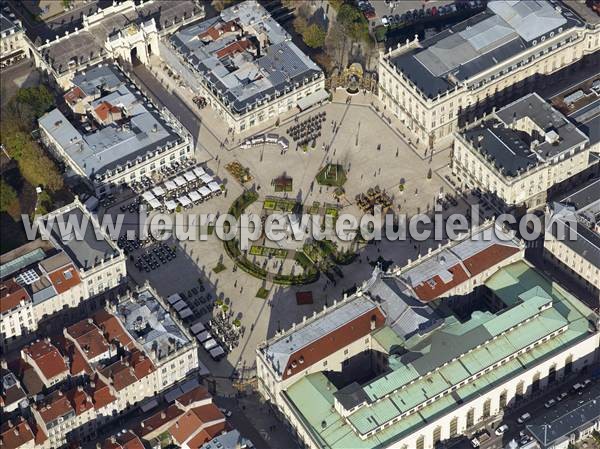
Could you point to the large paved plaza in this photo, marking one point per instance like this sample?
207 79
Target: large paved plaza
373 153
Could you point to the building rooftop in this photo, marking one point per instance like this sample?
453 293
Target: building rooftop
556 425
245 55
15 434
457 351
7 25
504 30
579 211
86 249
229 440
523 135
47 358
126 125
123 440
151 325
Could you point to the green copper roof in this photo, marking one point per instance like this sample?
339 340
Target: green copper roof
527 320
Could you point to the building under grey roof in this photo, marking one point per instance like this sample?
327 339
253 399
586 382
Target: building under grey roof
524 134
7 26
140 131
279 351
405 314
579 211
244 55
151 325
568 417
505 29
86 248
228 440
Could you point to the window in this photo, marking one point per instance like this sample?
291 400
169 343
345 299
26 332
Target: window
487 408
421 442
470 418
454 427
437 435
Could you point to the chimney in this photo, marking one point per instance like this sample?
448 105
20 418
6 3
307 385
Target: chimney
163 415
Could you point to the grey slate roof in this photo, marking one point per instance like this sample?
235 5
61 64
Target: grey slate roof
85 249
244 79
505 29
113 145
6 25
566 417
511 150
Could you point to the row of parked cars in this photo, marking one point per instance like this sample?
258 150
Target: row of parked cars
417 14
483 435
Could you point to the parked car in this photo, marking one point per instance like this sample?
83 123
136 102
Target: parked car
226 412
561 396
524 418
550 403
501 430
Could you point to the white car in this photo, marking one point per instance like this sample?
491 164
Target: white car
524 417
226 412
501 430
561 396
550 403
385 21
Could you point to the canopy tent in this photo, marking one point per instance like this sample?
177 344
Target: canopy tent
206 178
217 352
189 176
210 343
158 191
199 171
185 313
171 205
204 191
312 99
175 297
214 187
184 200
197 328
147 196
154 203
194 196
180 181
180 305
170 185
203 336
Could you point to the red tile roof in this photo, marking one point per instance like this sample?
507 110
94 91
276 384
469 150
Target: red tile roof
197 394
126 440
74 95
15 435
332 342
194 421
113 329
474 265
89 338
80 401
47 358
65 279
11 294
55 406
77 362
104 109
142 365
159 419
100 392
233 48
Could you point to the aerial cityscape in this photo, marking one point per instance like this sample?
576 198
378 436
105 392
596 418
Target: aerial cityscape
300 224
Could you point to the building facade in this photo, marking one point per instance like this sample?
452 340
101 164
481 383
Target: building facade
246 66
14 45
519 153
482 62
425 386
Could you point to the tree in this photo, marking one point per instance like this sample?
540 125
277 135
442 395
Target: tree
336 4
314 36
8 196
353 22
220 5
31 103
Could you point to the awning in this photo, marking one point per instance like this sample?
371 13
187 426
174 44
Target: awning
180 181
154 203
206 178
180 305
158 191
214 187
170 185
194 196
189 176
204 191
185 313
203 336
184 200
175 297
147 196
197 328
199 171
312 99
171 205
